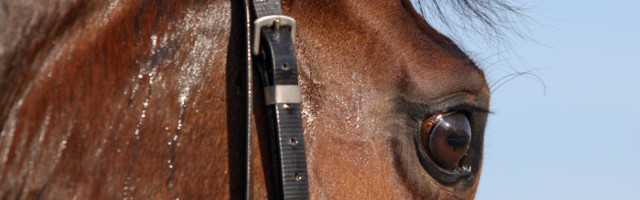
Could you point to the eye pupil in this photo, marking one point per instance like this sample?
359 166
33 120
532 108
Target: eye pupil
447 137
457 141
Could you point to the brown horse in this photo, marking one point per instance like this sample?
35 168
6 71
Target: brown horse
143 99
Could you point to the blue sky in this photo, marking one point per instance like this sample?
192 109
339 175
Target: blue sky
577 136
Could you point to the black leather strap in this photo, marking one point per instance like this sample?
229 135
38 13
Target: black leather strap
277 65
266 7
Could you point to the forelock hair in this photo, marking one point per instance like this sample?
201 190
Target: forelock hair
491 18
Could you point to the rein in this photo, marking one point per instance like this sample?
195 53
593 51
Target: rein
270 50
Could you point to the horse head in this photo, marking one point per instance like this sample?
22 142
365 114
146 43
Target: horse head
143 98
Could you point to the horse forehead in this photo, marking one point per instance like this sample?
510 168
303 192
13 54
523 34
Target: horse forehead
387 45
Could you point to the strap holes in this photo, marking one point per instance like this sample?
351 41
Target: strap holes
297 177
293 141
285 66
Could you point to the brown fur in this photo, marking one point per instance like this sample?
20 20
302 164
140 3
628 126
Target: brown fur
93 94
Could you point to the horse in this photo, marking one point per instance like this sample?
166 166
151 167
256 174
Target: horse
144 99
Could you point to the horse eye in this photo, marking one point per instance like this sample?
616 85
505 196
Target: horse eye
447 138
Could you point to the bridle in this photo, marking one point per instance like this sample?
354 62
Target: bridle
270 50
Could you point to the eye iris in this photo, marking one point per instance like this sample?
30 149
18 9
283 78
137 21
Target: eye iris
447 138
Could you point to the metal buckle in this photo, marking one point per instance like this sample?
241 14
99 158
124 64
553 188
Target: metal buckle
269 21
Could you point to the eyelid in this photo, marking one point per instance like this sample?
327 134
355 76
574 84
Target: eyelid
471 108
459 102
